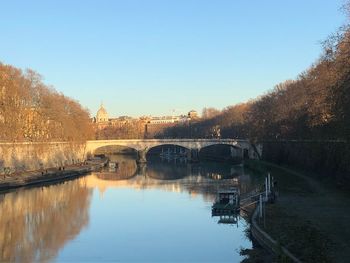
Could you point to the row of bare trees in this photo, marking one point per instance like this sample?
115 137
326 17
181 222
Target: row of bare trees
134 129
316 105
32 111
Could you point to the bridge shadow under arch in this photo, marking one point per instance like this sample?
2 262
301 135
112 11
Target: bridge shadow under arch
124 157
126 169
222 152
164 148
115 149
167 162
166 171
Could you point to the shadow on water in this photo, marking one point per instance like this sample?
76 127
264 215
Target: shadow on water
125 169
166 168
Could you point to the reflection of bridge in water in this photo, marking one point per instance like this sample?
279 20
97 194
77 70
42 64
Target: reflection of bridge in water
192 184
194 179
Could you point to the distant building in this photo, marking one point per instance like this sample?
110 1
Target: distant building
192 115
163 120
147 124
102 115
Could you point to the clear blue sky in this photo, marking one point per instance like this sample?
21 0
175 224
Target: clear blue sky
151 56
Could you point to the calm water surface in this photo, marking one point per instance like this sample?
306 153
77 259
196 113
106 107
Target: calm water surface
157 212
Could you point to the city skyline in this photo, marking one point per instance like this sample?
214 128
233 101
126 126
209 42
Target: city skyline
148 58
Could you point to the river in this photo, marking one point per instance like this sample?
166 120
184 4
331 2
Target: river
159 212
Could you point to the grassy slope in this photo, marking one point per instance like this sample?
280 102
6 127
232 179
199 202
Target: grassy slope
309 218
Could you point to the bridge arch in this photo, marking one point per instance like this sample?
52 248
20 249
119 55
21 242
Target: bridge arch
222 151
114 149
166 146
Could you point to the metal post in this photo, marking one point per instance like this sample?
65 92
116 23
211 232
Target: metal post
260 206
269 181
266 187
265 215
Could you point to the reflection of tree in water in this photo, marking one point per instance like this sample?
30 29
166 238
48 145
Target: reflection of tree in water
35 223
125 170
219 171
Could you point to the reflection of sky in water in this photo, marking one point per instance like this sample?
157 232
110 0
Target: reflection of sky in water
154 225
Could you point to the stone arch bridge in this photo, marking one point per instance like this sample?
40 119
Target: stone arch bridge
142 146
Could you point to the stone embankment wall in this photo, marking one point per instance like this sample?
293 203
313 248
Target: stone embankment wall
31 156
328 159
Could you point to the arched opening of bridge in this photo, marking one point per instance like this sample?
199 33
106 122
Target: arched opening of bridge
168 153
115 150
222 153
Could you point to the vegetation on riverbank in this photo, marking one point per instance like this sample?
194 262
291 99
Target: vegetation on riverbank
309 219
328 161
32 111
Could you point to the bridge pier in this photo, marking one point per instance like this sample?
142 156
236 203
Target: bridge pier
193 155
141 156
142 169
236 153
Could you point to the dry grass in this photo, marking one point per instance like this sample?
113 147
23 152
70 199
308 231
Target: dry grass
311 219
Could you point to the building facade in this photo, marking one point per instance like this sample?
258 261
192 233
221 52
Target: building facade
146 126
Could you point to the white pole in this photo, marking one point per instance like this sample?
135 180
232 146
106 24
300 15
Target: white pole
266 187
260 206
269 181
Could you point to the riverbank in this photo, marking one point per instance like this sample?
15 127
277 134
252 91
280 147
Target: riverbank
309 219
50 175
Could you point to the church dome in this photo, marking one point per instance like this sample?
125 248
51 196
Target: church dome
102 114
